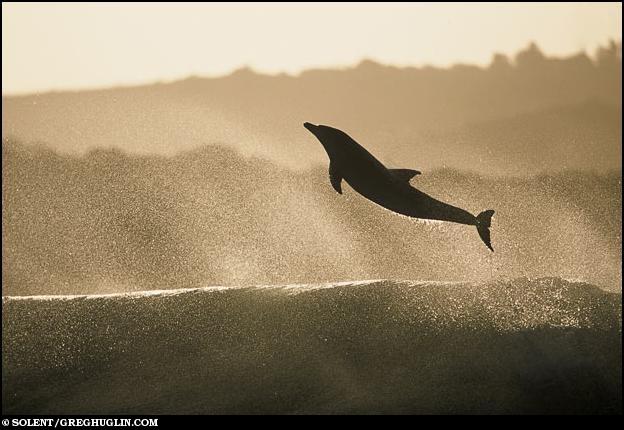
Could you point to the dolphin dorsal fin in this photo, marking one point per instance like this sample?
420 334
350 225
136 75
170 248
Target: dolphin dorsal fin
335 177
404 175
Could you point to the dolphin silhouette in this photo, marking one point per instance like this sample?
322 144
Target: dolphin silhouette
389 188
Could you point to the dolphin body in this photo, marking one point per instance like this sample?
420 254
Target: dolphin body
389 188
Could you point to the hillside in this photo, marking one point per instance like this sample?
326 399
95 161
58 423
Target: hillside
520 116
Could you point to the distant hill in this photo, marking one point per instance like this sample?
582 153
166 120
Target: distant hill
517 116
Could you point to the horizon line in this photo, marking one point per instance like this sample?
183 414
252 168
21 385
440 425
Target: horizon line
247 68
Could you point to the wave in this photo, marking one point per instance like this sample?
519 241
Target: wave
544 345
73 225
545 297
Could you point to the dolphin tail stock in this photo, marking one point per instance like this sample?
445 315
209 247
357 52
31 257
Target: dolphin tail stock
484 220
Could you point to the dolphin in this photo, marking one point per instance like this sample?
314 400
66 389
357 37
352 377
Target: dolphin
389 188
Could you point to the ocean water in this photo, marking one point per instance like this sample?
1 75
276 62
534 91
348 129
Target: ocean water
116 222
544 345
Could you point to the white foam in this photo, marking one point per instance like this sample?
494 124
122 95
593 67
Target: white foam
178 291
133 294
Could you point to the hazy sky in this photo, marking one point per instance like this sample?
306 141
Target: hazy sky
73 45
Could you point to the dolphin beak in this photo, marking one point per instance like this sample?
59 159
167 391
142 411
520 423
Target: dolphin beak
311 127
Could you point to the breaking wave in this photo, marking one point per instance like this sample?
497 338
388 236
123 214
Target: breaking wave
543 345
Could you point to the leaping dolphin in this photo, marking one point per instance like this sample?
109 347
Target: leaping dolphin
389 188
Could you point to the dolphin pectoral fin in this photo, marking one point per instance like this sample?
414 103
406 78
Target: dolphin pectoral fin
404 175
335 178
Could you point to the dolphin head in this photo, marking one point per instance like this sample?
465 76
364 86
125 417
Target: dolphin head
328 136
314 129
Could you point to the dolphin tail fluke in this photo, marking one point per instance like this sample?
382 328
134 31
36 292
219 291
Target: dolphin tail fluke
484 220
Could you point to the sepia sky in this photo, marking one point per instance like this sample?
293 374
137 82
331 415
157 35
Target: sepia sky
77 45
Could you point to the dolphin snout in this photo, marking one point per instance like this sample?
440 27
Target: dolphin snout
309 126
